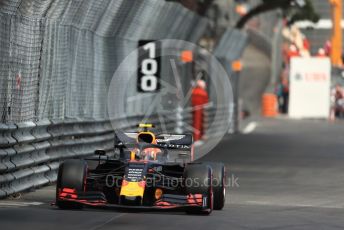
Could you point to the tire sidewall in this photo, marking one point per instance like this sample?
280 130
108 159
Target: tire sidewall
219 184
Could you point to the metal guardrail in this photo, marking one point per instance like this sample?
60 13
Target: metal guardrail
30 152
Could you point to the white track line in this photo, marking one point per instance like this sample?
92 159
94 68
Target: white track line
250 127
296 205
108 221
18 204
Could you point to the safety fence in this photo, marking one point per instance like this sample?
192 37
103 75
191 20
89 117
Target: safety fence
58 57
229 49
265 33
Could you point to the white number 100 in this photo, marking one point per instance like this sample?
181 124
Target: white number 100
149 69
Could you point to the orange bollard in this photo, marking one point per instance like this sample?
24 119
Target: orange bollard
198 124
269 105
199 98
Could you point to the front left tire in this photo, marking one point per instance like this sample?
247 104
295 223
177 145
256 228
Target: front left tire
72 174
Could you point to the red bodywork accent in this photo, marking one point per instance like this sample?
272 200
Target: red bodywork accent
71 195
191 200
192 153
195 199
142 184
165 205
68 193
124 183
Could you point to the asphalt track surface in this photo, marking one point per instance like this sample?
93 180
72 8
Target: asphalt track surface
290 176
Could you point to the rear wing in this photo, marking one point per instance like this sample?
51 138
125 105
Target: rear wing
175 141
170 141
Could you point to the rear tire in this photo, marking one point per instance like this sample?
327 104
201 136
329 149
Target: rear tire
201 177
71 174
219 184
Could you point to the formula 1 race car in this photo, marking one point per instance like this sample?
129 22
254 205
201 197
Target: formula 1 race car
144 177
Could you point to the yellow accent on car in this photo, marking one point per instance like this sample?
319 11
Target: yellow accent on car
132 189
145 125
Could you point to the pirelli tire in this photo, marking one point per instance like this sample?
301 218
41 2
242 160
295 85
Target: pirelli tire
72 174
219 184
198 179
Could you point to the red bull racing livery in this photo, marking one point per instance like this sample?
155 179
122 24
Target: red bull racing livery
152 172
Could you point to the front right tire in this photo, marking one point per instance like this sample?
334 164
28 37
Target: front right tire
219 184
198 180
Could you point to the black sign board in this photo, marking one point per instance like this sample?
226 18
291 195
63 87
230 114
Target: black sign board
149 65
135 172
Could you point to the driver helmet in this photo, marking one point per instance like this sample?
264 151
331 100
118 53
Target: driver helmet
151 152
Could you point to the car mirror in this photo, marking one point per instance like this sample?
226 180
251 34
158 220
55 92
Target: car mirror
100 152
183 155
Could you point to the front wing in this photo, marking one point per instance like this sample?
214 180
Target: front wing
168 201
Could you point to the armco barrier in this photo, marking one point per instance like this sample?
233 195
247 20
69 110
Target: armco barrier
30 152
6 138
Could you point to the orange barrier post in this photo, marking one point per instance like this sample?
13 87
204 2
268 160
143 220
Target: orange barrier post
336 50
186 56
199 98
269 105
198 124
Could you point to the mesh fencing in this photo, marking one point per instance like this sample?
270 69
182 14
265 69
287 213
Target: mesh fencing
20 65
57 58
